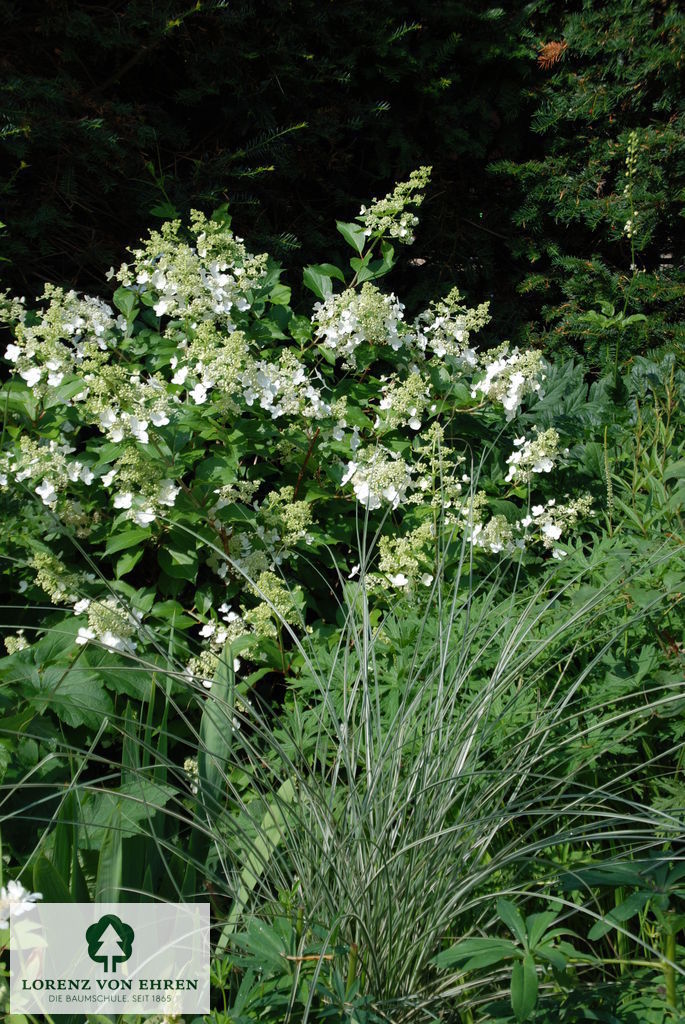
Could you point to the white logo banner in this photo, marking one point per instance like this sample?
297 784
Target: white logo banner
140 958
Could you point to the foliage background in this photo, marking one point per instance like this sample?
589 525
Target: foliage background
294 111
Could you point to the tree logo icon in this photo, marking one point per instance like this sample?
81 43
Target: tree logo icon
110 941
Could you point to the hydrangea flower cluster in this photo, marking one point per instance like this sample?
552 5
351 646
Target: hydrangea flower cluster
346 321
551 521
378 475
209 277
510 377
109 623
545 524
445 327
406 561
534 455
72 331
389 216
404 403
208 427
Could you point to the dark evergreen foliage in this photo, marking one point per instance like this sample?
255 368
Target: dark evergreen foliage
618 71
293 111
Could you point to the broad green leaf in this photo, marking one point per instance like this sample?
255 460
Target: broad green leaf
553 955
166 211
331 270
257 855
110 863
353 234
524 987
317 282
537 925
72 694
178 563
513 919
280 295
59 639
216 733
126 301
133 805
127 539
49 882
128 562
476 952
623 912
117 674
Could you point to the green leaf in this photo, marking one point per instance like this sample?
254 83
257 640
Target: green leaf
127 539
73 695
280 295
59 639
331 270
128 562
511 916
177 562
110 864
126 301
362 268
63 837
258 854
623 912
63 393
353 234
675 471
477 952
49 882
132 805
554 956
317 282
524 987
4 760
166 211
216 733
300 328
537 925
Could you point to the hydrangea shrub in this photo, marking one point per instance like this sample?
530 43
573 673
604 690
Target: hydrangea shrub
197 457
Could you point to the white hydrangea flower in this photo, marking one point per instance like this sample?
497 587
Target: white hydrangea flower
47 492
32 375
138 429
159 418
143 516
399 580
346 321
15 900
167 493
199 394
